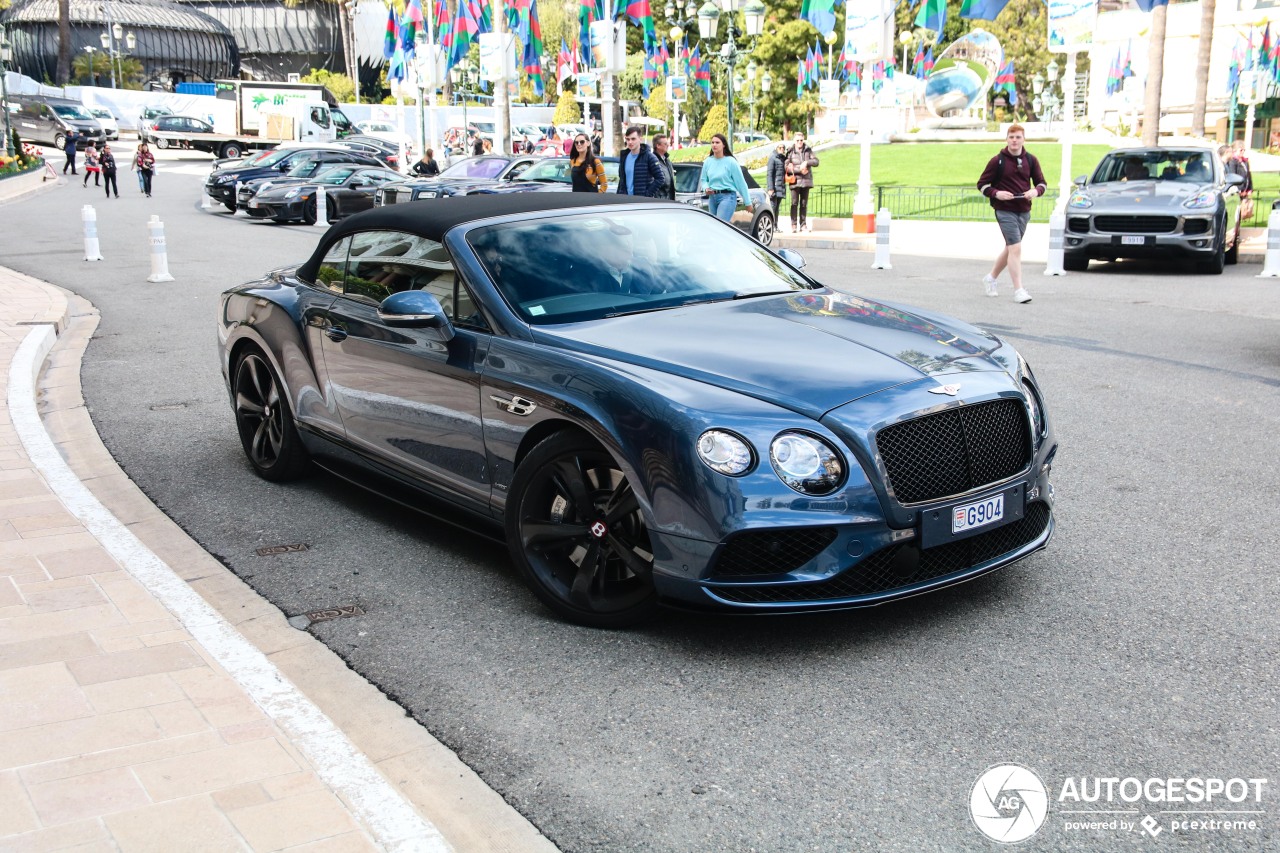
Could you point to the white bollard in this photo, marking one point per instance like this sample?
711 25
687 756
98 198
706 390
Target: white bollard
1271 265
159 254
1057 226
883 220
236 200
90 218
206 200
322 209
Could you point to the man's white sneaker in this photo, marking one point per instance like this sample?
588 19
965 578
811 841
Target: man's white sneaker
990 284
1021 295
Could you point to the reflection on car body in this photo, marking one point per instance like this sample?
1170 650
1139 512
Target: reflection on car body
1155 202
651 406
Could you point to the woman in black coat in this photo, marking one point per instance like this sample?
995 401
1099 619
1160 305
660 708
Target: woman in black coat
775 183
427 166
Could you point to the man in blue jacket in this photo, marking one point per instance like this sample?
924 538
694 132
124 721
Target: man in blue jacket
639 172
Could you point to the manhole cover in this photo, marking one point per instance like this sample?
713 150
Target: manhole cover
281 549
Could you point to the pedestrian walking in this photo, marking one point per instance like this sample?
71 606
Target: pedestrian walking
1011 180
799 166
1240 166
775 179
661 144
145 162
586 172
108 163
69 144
91 165
722 181
427 167
639 172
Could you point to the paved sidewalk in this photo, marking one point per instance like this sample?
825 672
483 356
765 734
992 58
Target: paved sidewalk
149 700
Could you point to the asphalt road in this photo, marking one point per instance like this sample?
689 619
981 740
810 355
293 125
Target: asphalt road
1141 643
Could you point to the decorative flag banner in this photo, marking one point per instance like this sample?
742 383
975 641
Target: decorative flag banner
396 70
465 31
928 61
799 77
642 16
982 10
389 40
532 38
1006 82
917 64
410 26
1114 78
818 59
820 13
650 75
702 77
932 16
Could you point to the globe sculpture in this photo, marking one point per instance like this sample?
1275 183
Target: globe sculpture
963 74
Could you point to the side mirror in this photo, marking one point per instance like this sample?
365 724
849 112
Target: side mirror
1081 180
1234 180
792 257
415 309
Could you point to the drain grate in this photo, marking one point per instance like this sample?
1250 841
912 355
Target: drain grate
282 549
347 611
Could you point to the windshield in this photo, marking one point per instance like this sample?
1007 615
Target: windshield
475 168
569 269
271 158
304 168
333 177
72 111
556 170
1162 164
100 113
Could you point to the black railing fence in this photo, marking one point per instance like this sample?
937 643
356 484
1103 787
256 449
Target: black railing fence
954 204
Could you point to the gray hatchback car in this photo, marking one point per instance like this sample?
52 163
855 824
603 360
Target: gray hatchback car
1155 203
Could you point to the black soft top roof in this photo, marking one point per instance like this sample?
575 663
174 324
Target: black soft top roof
434 218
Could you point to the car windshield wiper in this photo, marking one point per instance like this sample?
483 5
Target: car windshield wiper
761 293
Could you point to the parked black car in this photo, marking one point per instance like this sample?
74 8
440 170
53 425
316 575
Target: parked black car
305 169
462 178
221 184
387 152
348 190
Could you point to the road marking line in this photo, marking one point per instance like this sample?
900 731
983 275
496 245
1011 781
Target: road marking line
389 818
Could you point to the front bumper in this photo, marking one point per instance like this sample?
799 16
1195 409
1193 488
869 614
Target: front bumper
277 209
1112 236
223 193
862 565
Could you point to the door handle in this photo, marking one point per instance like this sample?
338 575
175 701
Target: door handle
335 334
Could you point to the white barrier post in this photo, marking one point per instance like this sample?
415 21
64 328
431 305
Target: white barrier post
206 200
1271 266
1057 226
159 254
90 218
322 209
883 220
235 199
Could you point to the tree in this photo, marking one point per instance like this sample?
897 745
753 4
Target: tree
717 122
1207 11
568 111
341 86
89 67
1155 77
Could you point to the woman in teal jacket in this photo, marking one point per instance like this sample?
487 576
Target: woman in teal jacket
722 181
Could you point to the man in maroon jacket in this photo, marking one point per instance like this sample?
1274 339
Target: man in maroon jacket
1011 180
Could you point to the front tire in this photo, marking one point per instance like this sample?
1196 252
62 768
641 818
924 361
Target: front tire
162 143
1072 262
230 205
309 213
60 141
265 422
1217 262
764 228
577 535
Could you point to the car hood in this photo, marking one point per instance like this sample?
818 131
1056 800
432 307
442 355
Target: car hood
810 351
1142 196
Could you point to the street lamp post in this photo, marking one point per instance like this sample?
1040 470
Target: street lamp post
5 55
709 16
90 50
830 39
114 34
459 74
678 28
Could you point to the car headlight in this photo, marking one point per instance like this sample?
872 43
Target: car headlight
1037 414
724 452
293 192
1201 201
1079 199
806 463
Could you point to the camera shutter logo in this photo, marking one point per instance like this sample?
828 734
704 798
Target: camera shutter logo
1008 803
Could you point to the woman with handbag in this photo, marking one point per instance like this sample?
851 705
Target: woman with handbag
800 163
586 172
775 183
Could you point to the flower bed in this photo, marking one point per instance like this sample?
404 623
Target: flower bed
28 159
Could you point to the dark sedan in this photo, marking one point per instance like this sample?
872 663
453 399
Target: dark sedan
348 190
221 183
1155 203
650 405
462 178
302 169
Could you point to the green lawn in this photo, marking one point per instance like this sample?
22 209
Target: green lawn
945 164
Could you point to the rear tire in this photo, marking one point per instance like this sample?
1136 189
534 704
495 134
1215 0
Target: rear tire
1072 262
162 143
265 422
60 142
763 228
230 150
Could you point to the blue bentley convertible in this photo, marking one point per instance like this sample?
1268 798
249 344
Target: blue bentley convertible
651 406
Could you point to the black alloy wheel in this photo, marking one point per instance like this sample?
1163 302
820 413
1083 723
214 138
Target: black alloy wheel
265 423
1217 262
577 535
309 213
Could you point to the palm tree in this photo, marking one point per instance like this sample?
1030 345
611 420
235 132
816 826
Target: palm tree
64 42
1155 77
1207 10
